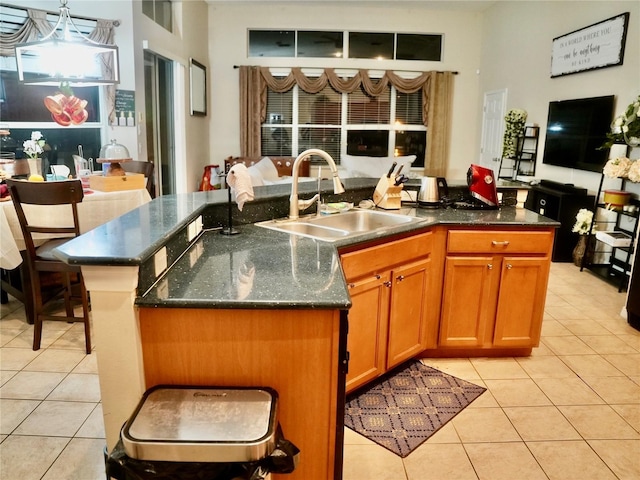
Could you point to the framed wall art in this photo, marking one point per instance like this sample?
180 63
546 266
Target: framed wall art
600 45
198 79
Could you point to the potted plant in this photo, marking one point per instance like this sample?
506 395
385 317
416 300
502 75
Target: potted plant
626 127
582 227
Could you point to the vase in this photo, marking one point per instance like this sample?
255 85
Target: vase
579 250
35 166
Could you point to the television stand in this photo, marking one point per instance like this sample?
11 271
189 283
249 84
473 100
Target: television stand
562 187
560 202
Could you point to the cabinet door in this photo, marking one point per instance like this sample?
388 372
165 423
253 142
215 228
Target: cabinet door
523 287
368 320
408 314
469 300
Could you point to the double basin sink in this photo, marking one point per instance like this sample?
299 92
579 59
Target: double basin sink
340 226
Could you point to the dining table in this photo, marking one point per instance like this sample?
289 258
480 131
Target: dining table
97 207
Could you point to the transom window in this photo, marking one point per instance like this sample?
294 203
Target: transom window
159 11
326 44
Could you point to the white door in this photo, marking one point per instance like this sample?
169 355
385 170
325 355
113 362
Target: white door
494 110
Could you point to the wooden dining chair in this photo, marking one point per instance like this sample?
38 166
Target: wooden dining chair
146 168
51 279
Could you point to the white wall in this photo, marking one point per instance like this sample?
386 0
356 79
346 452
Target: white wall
228 25
516 55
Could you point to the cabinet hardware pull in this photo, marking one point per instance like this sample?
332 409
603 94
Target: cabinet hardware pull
377 277
503 243
400 278
509 266
387 284
351 285
490 266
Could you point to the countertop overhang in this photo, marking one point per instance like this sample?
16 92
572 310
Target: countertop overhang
258 268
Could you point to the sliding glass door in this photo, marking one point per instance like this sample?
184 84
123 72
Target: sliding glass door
158 77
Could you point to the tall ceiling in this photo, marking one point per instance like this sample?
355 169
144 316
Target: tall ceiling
467 5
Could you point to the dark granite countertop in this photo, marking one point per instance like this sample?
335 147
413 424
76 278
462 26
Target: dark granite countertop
259 268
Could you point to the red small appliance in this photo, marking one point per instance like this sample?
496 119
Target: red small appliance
482 185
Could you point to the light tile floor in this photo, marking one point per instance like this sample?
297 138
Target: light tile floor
570 411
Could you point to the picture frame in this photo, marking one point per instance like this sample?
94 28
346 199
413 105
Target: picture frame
600 45
198 87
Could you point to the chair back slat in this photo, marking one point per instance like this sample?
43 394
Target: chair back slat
48 193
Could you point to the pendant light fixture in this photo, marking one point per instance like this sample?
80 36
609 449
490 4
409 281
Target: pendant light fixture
66 55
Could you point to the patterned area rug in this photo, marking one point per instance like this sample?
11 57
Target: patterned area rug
406 406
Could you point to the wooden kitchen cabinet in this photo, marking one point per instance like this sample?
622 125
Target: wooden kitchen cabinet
520 310
469 301
368 323
388 285
494 288
407 312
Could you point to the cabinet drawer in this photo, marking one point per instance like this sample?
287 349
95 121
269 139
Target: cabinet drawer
385 256
499 241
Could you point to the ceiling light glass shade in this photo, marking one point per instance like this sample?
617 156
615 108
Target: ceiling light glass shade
65 55
55 61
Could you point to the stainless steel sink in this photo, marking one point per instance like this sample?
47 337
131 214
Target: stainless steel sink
340 225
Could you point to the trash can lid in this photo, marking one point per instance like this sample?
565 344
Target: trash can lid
195 424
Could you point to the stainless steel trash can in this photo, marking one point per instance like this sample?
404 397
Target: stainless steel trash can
202 424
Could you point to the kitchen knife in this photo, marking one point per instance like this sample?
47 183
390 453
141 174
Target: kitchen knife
401 179
393 167
399 170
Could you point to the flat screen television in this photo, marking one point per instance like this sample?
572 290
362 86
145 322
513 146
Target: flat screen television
575 131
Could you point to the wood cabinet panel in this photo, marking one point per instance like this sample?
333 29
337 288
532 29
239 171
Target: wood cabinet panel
298 357
520 310
368 323
385 256
469 301
408 317
499 241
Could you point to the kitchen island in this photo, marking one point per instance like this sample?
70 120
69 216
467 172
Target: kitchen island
175 302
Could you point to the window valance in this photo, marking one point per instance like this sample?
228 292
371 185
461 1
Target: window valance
36 26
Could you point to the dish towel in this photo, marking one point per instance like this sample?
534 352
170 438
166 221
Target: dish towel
239 181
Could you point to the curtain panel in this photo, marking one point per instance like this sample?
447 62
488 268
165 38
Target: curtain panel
437 89
36 27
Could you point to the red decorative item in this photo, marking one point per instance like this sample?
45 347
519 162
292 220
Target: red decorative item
206 182
66 108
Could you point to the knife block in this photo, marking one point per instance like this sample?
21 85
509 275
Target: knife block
387 195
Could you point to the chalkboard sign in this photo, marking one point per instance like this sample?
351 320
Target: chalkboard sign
125 108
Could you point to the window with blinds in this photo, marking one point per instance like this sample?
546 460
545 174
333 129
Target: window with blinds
277 129
355 123
13 18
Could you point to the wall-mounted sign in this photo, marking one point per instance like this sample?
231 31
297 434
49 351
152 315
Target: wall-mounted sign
600 45
125 108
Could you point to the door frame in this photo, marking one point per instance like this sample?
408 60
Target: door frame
178 124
